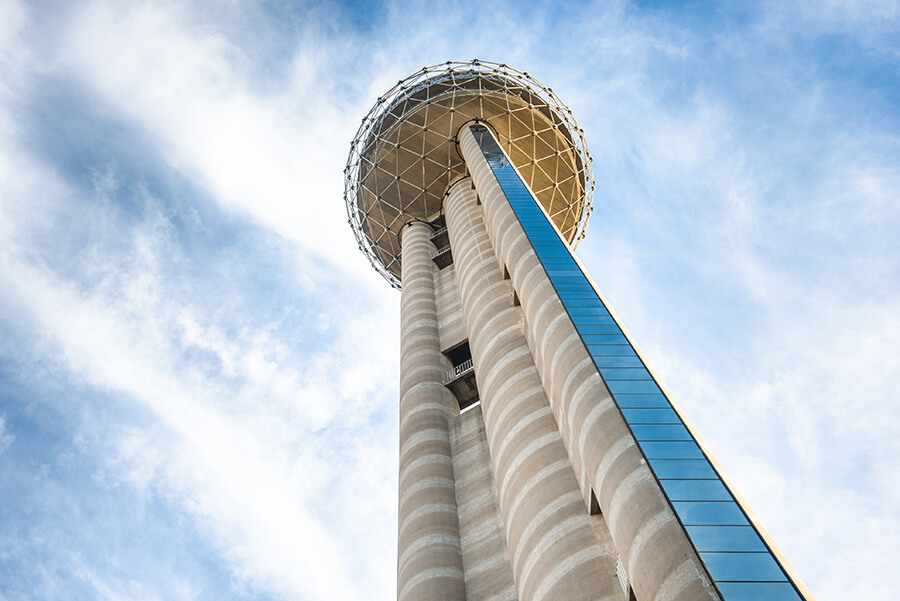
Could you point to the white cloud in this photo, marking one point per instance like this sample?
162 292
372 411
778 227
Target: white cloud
272 157
244 460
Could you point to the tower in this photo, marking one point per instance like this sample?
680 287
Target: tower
540 457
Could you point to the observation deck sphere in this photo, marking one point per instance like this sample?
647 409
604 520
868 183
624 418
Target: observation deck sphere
405 157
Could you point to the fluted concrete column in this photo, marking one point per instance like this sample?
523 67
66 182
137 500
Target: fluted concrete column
659 560
553 549
429 566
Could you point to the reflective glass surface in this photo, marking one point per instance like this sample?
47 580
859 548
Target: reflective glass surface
613 350
695 490
660 432
749 567
683 469
630 385
637 400
709 513
725 538
758 591
672 450
585 293
618 362
587 310
735 557
582 302
650 416
626 373
598 333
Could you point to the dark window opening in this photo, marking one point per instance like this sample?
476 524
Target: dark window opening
459 354
460 379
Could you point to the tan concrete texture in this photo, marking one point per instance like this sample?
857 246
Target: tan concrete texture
451 327
485 554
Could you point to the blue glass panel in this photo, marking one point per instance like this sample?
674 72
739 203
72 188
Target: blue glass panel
604 339
567 279
631 385
725 538
618 362
592 328
695 490
598 333
558 272
651 416
671 450
625 373
586 293
569 286
583 302
746 567
607 339
709 513
660 432
612 350
685 469
556 263
577 312
758 591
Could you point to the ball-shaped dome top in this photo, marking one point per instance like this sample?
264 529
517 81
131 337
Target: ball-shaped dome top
404 156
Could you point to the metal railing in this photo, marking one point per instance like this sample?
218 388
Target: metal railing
458 371
442 250
438 232
623 577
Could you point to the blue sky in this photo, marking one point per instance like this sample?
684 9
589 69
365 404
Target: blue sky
198 368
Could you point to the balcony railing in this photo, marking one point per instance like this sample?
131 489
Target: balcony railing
458 371
623 578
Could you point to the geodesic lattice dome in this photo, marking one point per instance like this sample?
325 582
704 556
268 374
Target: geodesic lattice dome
404 156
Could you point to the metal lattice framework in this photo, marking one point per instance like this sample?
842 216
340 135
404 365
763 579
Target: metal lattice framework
404 156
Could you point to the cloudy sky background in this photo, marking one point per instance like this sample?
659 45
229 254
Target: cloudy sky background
198 368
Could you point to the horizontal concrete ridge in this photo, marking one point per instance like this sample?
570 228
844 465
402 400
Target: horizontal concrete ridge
659 560
429 565
523 441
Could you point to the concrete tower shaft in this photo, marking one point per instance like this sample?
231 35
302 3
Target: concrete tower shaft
540 457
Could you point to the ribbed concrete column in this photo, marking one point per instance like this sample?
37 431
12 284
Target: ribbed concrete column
552 546
429 560
659 559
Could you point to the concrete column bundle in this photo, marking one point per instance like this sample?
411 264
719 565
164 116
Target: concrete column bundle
660 561
554 550
429 566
